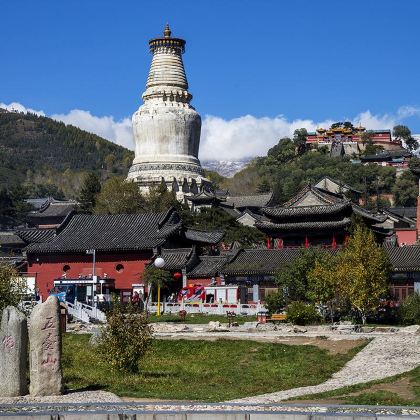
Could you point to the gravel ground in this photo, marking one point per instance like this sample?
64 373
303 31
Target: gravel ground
382 357
72 397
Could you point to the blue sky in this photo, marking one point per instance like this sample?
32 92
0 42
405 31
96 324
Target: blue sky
278 62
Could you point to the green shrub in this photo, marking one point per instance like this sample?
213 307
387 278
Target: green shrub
274 302
301 313
12 287
125 339
410 310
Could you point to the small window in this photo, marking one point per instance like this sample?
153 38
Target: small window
119 268
66 268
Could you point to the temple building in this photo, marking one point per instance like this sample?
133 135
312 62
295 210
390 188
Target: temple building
166 127
316 217
123 245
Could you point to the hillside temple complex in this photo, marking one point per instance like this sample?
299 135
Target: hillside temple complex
166 127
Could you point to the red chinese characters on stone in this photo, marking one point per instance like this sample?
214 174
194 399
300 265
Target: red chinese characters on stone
49 325
49 344
49 361
8 342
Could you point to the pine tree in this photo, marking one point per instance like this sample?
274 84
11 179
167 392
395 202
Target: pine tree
90 189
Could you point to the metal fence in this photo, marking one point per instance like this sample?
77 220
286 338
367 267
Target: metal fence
208 308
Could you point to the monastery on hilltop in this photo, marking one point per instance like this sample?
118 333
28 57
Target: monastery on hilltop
346 134
166 127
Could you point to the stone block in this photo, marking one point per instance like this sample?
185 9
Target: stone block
45 349
13 353
175 416
279 416
217 416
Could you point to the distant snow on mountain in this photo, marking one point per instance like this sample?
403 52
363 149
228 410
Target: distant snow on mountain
227 168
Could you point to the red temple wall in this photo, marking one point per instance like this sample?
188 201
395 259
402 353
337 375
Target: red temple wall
406 237
48 268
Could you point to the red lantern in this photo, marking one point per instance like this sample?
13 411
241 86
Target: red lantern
177 275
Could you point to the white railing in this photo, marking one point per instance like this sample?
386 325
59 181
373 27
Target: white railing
94 312
208 308
77 311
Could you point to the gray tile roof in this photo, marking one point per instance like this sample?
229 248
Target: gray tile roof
322 196
209 266
36 235
280 212
410 212
270 261
404 258
335 186
230 210
204 237
177 258
386 155
250 201
37 203
10 238
118 232
366 214
298 226
54 209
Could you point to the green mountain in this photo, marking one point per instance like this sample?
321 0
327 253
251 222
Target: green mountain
37 150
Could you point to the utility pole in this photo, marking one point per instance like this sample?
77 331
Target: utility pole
94 279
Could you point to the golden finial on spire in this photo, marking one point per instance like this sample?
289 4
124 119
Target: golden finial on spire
167 32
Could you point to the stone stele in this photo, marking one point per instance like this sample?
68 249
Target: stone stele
45 349
13 353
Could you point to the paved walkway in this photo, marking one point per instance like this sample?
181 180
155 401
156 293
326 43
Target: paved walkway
383 357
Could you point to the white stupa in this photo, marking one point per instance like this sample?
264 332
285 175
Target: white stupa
166 127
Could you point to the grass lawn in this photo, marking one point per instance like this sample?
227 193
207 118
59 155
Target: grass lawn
202 370
200 318
403 389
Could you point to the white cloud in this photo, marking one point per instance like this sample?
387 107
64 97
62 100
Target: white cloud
221 139
246 136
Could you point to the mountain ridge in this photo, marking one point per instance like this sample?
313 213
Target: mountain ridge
37 150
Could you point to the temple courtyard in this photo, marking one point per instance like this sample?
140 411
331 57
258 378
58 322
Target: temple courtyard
251 365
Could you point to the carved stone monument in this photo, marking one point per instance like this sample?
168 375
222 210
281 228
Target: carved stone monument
13 353
45 349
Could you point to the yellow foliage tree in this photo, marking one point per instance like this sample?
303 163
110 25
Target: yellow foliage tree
323 284
362 271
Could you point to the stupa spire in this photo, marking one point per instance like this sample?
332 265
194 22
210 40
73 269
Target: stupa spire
167 32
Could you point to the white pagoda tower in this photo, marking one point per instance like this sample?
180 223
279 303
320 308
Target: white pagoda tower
166 127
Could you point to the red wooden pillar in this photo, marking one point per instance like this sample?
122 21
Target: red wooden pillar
306 242
334 243
346 239
268 243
